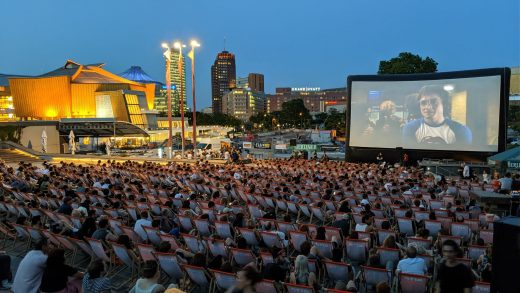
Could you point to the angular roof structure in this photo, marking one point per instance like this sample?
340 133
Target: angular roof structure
136 73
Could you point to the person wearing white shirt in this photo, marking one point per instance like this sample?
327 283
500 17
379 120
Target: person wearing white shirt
465 171
412 264
138 227
30 271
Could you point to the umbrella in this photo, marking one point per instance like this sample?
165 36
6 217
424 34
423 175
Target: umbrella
44 141
72 142
107 147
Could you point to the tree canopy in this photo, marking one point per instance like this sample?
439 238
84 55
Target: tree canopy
407 62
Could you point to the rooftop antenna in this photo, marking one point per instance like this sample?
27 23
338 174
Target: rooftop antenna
224 43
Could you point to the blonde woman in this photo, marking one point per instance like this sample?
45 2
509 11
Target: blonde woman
301 274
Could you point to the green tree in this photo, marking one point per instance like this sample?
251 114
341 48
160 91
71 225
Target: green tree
513 117
214 119
294 114
335 121
407 62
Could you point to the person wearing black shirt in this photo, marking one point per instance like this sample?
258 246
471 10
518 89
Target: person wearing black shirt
516 182
277 270
66 207
56 274
453 277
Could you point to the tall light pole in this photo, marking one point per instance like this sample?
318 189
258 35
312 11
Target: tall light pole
167 55
179 45
193 44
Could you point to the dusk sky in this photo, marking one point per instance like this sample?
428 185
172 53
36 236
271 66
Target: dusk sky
293 43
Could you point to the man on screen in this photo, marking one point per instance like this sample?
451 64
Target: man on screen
434 128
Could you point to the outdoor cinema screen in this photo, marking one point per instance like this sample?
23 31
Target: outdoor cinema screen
456 114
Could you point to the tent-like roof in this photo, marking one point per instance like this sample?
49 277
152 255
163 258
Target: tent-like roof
99 127
509 155
136 73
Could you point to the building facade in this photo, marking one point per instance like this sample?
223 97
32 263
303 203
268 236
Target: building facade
256 82
223 78
79 91
243 103
314 99
177 79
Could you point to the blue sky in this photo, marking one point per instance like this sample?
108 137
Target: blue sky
293 43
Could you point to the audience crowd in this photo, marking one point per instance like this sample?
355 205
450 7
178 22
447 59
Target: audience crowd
267 226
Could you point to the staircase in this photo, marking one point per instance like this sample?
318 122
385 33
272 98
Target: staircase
15 156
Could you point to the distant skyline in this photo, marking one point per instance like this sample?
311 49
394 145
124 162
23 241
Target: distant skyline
293 43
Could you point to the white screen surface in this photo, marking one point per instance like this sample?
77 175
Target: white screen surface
448 114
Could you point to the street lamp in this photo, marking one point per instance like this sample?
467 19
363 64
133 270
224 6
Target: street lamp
179 46
301 120
167 55
194 44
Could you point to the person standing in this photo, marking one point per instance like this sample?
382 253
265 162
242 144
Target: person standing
466 172
405 160
453 276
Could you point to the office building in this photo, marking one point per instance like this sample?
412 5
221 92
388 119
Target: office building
256 82
243 103
178 81
315 99
223 78
242 83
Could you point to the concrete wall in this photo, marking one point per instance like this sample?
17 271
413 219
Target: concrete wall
31 138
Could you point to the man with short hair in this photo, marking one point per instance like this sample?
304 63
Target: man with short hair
412 264
435 127
453 276
30 271
506 183
143 221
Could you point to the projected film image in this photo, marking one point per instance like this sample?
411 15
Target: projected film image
449 114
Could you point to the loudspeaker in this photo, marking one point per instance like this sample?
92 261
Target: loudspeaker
506 255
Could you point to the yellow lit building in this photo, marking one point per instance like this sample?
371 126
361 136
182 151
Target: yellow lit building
77 91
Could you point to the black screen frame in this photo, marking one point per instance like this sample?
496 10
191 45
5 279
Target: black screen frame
504 74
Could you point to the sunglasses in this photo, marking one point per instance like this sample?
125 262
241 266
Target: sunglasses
431 102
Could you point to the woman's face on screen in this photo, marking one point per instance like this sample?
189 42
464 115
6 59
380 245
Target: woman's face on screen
431 107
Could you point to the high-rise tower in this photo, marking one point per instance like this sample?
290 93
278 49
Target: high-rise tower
223 78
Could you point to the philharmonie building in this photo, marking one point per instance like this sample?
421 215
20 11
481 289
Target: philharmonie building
87 99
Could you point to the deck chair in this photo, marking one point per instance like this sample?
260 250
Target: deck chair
170 265
373 276
420 216
331 232
457 239
388 255
186 223
405 226
296 239
255 211
294 288
170 239
337 271
285 227
291 207
324 247
146 252
122 254
420 242
198 276
318 214
410 283
304 209
131 234
281 205
193 243
473 224
98 249
115 226
481 287
83 247
266 286
356 250
474 252
383 234
461 230
487 236
223 281
249 235
50 236
271 239
266 257
203 227
153 235
433 226
242 257
217 247
223 229
445 221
